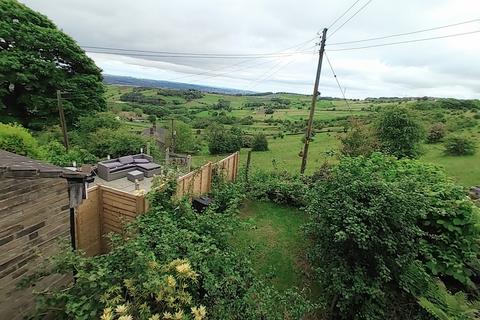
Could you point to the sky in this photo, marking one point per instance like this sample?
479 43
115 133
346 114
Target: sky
447 67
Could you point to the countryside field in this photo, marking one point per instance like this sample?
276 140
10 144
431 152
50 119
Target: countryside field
284 127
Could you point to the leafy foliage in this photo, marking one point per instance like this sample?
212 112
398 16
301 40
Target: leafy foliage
171 262
260 143
38 59
184 139
115 143
373 218
14 138
459 146
279 187
436 133
399 132
359 141
55 153
100 120
221 140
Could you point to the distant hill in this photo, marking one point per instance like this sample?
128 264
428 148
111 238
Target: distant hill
150 83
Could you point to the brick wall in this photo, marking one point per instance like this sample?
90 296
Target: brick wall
34 217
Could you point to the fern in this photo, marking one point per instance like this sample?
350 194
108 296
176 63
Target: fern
434 297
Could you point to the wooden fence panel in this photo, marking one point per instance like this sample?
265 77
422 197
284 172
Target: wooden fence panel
88 223
228 166
196 182
106 210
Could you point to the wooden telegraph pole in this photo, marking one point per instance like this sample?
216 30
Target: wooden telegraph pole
173 137
308 134
63 123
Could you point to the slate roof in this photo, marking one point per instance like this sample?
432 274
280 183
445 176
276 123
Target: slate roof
15 166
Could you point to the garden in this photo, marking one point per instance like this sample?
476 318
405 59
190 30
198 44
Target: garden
367 238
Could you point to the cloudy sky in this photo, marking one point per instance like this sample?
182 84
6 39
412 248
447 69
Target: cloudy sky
443 67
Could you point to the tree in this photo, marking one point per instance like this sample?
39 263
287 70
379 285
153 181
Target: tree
260 143
222 140
459 146
90 123
436 133
37 60
184 138
152 119
269 110
223 104
399 133
359 141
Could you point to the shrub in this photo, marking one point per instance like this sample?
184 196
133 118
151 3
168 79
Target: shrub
260 143
247 141
221 140
100 120
55 153
360 140
115 143
279 187
436 133
374 219
15 138
459 146
184 139
399 133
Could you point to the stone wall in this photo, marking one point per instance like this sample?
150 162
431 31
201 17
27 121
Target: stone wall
34 219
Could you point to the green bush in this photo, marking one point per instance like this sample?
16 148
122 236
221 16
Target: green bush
374 218
459 146
115 143
55 153
436 133
279 187
96 121
359 140
184 139
260 143
399 133
15 138
222 140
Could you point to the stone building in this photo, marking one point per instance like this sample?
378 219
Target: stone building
37 204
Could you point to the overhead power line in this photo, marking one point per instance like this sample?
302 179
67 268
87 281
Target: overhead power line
406 33
343 14
354 15
260 56
407 41
165 54
338 82
208 72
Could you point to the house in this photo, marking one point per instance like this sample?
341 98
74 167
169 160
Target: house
37 207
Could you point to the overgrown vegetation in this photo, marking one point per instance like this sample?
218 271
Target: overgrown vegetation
374 220
143 275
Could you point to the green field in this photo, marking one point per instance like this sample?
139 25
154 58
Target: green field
283 151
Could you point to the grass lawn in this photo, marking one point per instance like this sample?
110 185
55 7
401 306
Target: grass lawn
273 240
465 170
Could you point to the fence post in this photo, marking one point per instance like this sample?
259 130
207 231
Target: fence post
247 169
